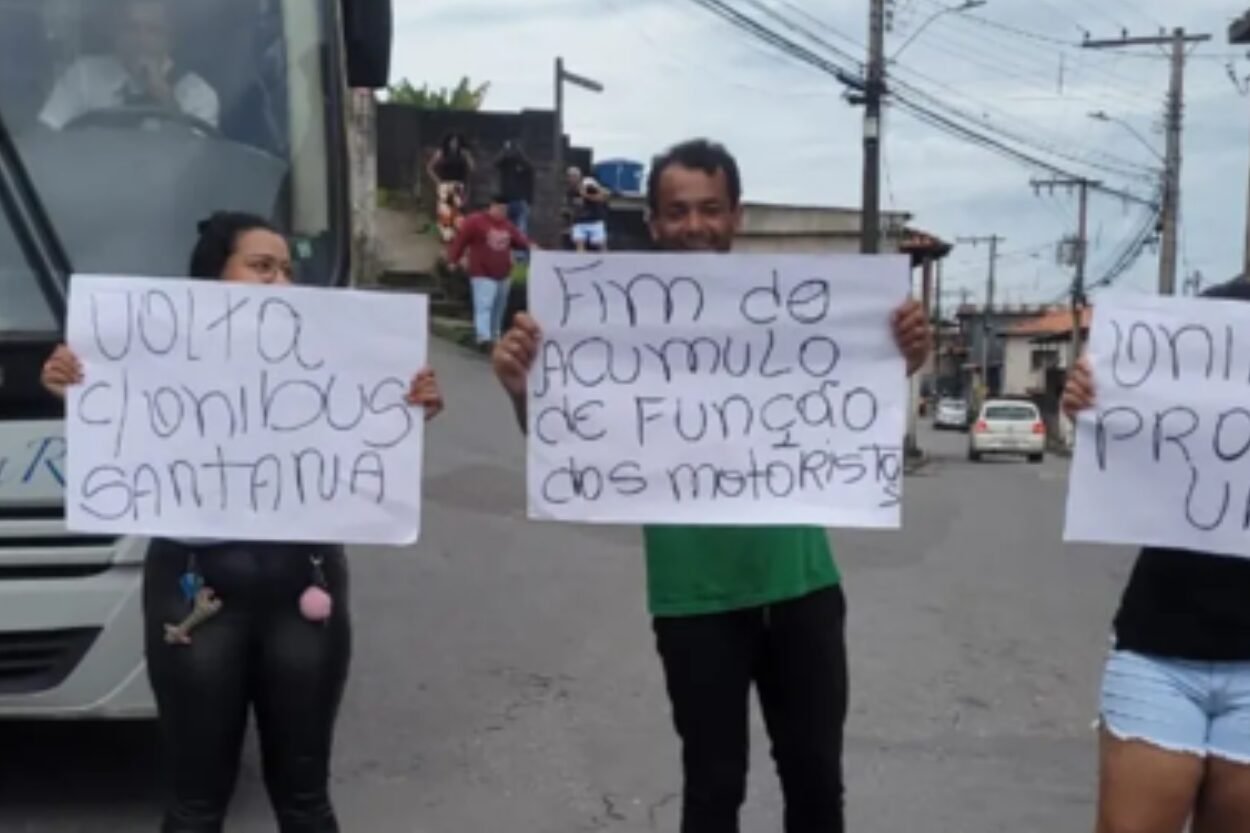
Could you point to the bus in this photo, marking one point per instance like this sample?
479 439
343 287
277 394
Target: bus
123 123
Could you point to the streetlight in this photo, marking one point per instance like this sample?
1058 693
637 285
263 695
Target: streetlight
1102 116
965 6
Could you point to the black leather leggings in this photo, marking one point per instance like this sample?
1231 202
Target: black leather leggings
257 652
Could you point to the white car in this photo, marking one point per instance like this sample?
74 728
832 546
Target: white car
951 413
1007 426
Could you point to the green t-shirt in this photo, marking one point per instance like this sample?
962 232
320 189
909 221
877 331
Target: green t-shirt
694 570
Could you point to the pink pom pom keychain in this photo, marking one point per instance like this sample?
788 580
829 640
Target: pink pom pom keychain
316 604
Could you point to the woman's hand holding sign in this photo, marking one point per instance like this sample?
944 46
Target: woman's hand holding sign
1078 393
60 371
425 393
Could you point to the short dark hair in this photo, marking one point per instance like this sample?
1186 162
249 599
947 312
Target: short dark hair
218 236
498 199
701 155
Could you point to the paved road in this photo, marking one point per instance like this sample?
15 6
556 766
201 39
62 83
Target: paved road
504 676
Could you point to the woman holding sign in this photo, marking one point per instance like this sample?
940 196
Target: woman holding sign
231 625
1175 710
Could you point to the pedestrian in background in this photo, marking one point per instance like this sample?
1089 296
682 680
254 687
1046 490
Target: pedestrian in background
450 168
516 184
587 210
488 239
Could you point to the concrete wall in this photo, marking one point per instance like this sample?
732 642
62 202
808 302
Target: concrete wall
1018 376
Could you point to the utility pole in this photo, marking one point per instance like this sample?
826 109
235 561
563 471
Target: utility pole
561 77
874 92
993 240
936 323
1239 33
1080 250
1178 40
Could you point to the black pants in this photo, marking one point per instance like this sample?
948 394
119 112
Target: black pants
260 653
795 653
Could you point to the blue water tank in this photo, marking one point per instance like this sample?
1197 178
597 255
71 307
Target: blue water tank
623 176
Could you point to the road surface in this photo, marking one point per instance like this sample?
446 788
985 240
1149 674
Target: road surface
504 675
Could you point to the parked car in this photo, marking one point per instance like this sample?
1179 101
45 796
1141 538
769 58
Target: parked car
951 413
1007 426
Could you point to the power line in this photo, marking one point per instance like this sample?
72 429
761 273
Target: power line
1051 48
1133 250
1124 167
1115 165
1179 40
682 61
929 113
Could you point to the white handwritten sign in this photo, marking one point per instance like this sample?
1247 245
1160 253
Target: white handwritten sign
214 410
717 389
1164 458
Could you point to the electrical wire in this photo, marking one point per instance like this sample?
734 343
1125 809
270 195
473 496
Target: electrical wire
1043 49
1112 165
683 61
1032 130
929 113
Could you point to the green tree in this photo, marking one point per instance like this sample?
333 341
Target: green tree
464 96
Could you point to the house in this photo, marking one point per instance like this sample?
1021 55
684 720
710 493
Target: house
983 337
1034 349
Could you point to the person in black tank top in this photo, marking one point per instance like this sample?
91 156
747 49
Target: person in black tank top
1175 707
450 168
452 163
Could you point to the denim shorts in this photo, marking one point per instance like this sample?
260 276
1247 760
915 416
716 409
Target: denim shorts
1197 708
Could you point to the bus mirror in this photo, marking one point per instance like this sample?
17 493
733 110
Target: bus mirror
367 35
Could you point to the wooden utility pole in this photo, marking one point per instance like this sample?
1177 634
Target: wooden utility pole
936 322
874 92
993 240
1239 33
1079 253
1178 40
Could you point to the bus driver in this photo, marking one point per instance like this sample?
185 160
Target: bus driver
140 72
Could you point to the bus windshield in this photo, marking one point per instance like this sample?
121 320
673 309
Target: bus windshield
132 120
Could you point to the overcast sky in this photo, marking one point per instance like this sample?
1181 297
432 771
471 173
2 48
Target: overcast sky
672 71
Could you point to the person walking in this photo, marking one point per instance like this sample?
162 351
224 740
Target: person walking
279 642
736 606
488 239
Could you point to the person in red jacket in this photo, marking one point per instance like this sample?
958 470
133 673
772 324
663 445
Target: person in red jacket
489 240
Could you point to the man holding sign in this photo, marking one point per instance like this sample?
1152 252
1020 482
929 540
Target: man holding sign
1161 461
743 604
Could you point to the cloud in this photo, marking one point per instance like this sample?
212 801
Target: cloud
671 71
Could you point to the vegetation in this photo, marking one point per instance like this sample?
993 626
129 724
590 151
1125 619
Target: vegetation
464 96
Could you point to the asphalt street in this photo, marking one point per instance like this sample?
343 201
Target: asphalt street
504 676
